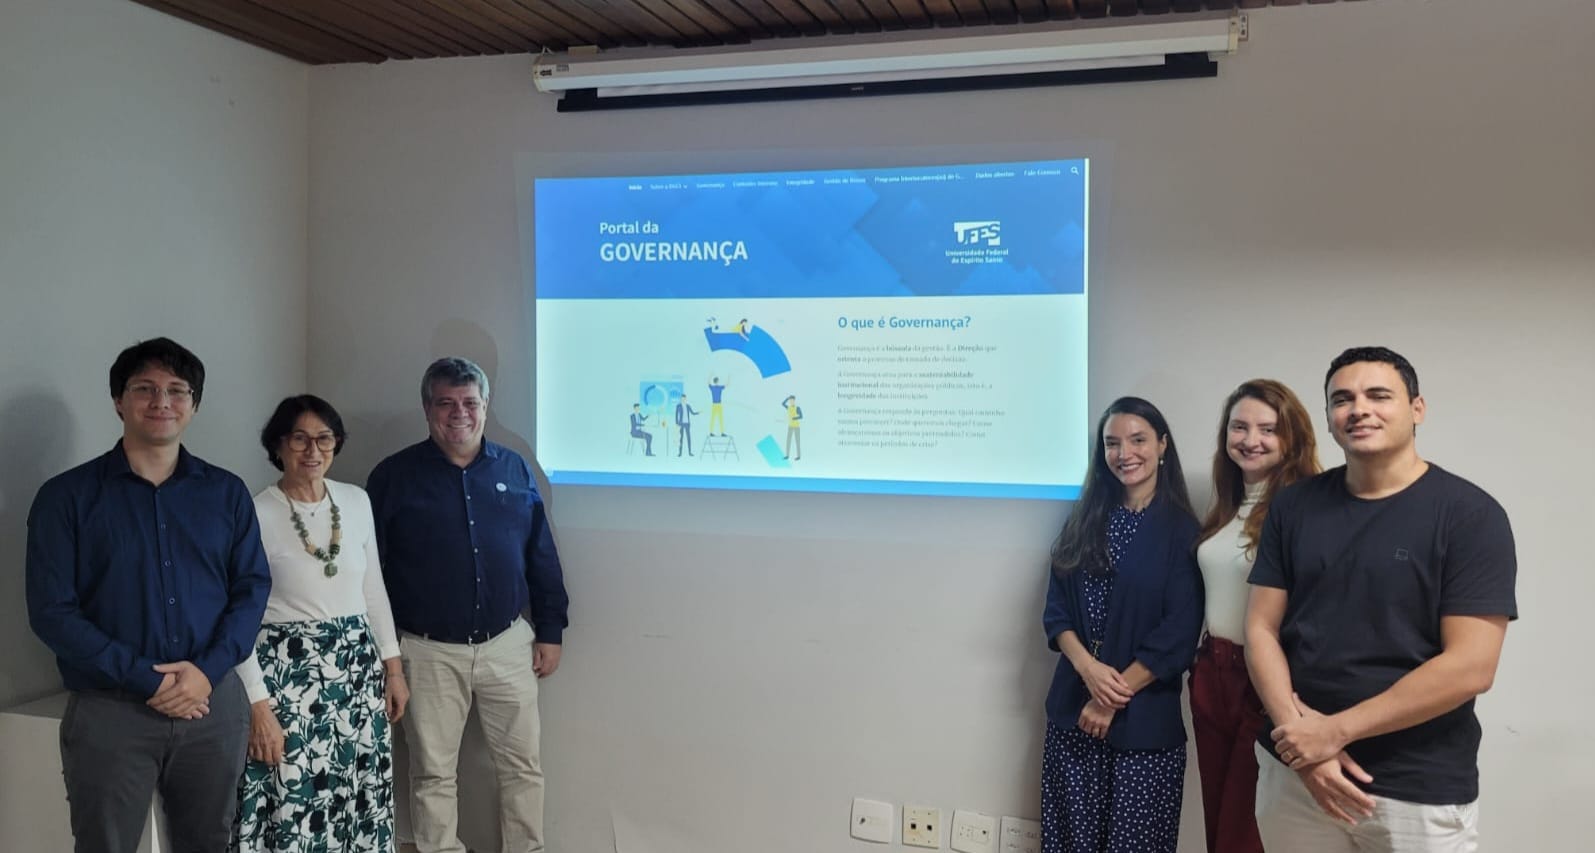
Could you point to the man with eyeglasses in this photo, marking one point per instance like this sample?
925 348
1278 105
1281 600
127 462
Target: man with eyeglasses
146 578
466 549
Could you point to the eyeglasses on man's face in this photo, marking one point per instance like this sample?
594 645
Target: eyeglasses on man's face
325 442
146 391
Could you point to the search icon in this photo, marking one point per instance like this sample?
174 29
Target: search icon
1074 170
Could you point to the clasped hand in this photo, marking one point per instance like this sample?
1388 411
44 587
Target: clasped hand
1095 719
1314 746
184 693
1309 739
1107 686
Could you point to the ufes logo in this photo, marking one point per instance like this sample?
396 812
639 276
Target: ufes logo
975 233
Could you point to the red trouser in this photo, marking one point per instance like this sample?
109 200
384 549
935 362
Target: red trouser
1227 716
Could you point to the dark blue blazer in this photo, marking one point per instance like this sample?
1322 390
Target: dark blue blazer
1154 616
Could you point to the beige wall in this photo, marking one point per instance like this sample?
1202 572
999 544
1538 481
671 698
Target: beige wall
152 182
742 665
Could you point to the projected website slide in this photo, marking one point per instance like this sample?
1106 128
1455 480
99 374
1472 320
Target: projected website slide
908 330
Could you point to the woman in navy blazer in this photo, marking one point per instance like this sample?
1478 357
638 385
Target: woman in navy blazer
1124 606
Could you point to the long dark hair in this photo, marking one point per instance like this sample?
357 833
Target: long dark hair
1083 543
1297 446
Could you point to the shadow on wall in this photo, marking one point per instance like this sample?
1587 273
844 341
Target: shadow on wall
39 427
375 435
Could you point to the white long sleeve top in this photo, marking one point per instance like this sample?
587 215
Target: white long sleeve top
300 588
1225 566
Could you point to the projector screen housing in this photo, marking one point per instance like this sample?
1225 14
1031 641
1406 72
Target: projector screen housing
1095 51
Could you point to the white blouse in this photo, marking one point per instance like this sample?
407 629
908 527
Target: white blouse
300 588
1225 566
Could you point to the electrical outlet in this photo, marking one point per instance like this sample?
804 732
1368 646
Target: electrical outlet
973 832
1020 835
922 827
872 820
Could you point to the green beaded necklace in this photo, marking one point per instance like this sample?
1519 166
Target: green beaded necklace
328 557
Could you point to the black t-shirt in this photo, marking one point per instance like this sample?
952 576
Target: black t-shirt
1367 583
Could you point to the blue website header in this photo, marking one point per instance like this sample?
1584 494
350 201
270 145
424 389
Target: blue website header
968 230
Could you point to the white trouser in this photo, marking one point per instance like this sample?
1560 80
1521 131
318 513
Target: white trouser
444 679
1290 820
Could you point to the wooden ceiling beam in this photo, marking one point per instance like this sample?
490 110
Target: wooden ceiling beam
575 30
737 14
542 31
1002 12
232 32
468 18
1062 10
671 26
1031 11
828 16
943 13
275 28
971 13
354 25
856 15
1092 8
620 29
886 13
720 30
913 13
800 18
647 28
422 22
330 31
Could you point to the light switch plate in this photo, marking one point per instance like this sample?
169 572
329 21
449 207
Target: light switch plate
1020 835
872 820
922 827
973 832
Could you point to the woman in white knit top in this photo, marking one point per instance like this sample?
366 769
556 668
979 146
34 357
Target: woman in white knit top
1265 442
325 683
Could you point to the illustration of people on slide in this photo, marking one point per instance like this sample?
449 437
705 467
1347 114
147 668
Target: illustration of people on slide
717 412
742 328
638 420
794 422
684 413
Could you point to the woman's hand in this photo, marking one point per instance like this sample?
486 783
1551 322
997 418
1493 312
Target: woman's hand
266 738
1095 719
395 690
1108 687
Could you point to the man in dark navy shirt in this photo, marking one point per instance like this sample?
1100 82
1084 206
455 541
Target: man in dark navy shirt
146 577
1380 600
466 549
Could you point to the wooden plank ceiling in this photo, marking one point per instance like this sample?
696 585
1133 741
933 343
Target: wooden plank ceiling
333 31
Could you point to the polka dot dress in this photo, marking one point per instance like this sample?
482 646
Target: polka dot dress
1095 798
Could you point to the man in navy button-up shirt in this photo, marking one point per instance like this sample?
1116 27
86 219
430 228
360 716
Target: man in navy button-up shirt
145 576
466 549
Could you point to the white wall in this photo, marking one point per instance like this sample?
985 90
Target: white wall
741 665
152 182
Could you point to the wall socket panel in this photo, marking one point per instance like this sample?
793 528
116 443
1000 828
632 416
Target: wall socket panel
922 827
1019 835
872 820
973 832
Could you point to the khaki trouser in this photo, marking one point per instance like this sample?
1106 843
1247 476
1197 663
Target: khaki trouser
445 678
1290 820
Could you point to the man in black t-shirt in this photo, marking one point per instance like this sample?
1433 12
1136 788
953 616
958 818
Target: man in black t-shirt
1380 599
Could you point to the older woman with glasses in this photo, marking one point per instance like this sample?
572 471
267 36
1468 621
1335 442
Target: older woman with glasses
325 683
